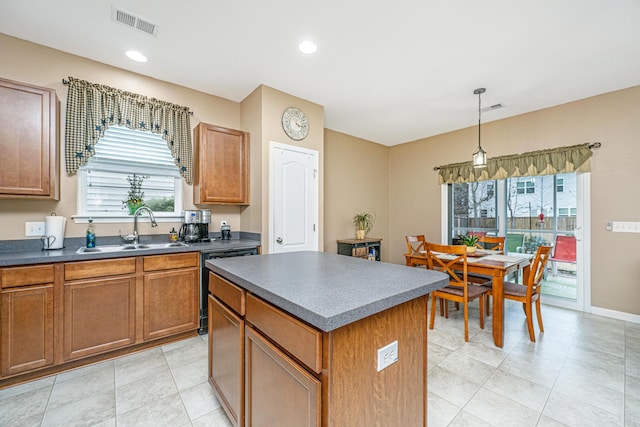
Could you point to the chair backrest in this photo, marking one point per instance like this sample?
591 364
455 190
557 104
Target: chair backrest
477 233
515 242
446 258
415 244
564 249
494 243
536 270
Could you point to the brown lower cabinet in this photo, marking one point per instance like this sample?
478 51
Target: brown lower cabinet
27 329
269 368
26 318
171 303
226 374
54 316
99 316
295 396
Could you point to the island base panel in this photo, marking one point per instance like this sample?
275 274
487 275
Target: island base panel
355 393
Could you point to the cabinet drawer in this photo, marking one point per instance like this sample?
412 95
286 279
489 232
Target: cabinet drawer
228 293
99 268
171 261
301 341
23 276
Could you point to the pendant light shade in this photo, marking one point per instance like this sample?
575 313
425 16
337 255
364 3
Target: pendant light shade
480 156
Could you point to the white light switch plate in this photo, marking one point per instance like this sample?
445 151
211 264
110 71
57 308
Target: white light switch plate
387 355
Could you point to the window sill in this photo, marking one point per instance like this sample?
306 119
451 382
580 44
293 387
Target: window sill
105 219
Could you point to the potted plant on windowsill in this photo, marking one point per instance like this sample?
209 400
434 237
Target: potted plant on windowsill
469 241
363 222
135 196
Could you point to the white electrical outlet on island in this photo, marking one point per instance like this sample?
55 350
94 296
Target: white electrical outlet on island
387 355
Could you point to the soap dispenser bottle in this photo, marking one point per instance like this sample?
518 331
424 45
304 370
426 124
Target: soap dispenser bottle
91 235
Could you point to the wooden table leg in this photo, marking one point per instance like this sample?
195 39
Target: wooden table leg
498 307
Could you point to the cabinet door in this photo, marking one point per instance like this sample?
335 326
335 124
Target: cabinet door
99 315
28 141
27 329
222 165
226 359
171 302
278 391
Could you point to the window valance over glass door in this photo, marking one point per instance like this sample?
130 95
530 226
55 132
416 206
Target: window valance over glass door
92 108
574 158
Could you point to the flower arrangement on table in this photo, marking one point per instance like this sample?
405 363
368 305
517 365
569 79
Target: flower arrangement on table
135 196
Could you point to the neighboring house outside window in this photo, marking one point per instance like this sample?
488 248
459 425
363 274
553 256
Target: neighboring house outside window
528 187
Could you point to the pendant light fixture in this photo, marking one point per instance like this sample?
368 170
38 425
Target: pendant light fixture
480 156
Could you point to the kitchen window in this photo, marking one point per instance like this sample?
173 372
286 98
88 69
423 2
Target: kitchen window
119 154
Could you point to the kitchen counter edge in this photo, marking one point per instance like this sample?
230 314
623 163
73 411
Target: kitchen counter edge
68 254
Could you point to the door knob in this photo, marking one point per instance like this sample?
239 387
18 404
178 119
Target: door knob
279 240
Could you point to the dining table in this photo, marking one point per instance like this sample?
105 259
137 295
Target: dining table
495 264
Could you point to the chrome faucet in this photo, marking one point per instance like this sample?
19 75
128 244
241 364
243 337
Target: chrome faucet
134 237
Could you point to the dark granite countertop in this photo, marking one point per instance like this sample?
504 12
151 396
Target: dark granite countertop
327 290
29 252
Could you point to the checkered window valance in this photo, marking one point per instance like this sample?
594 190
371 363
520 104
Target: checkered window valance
92 108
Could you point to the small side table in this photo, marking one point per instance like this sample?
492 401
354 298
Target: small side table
360 247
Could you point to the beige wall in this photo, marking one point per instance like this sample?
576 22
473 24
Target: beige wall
397 183
272 104
414 201
34 64
355 179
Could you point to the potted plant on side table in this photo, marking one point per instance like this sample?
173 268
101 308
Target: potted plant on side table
363 222
469 241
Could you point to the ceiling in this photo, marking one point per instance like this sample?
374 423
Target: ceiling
388 72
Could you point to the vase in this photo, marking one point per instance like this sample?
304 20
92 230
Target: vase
471 249
360 234
133 207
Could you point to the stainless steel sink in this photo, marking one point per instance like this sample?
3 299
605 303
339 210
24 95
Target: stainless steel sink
130 248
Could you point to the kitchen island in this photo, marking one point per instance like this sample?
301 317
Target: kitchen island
313 338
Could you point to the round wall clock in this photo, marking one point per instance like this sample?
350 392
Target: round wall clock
295 123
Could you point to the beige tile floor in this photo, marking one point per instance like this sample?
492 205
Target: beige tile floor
583 371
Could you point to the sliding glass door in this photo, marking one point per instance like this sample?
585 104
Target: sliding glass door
530 211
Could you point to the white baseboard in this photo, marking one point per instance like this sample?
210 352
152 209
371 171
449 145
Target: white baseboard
620 315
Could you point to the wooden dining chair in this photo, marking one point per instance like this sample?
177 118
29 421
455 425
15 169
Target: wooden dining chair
492 243
529 292
448 259
415 244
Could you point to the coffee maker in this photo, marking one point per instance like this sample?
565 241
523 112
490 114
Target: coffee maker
190 230
195 226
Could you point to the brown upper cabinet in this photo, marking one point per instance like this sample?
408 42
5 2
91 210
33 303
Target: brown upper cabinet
221 165
29 142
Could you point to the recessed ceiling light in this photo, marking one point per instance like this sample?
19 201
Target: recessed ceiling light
308 47
136 56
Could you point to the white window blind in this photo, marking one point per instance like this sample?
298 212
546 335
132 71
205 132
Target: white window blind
123 152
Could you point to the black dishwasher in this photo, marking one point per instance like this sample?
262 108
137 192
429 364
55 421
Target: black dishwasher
204 279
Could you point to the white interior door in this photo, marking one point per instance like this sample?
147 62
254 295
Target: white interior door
293 198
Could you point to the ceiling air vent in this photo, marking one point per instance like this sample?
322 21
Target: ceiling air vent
133 21
492 107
